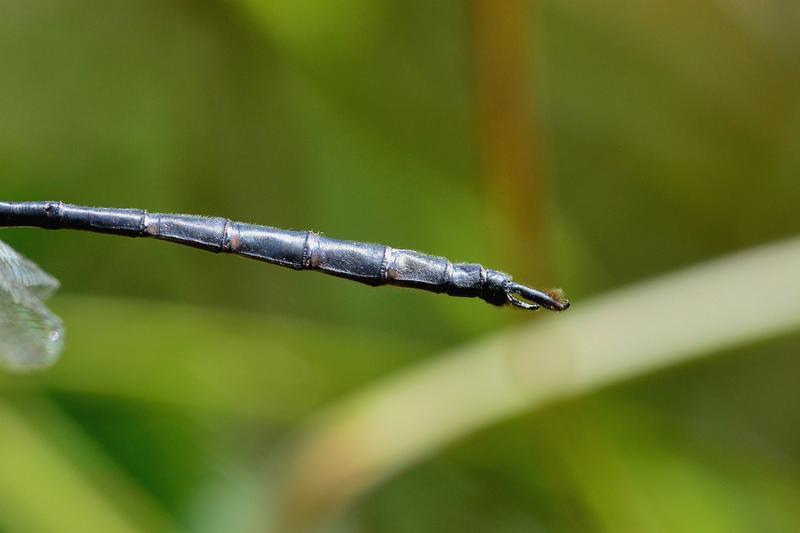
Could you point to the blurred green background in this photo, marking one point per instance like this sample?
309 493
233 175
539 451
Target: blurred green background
580 144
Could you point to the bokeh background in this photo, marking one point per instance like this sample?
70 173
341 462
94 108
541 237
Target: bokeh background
583 144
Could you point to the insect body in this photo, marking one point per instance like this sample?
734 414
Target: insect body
372 264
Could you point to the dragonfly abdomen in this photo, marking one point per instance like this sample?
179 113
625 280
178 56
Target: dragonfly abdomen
372 264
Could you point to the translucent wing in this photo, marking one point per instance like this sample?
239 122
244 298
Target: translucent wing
31 336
